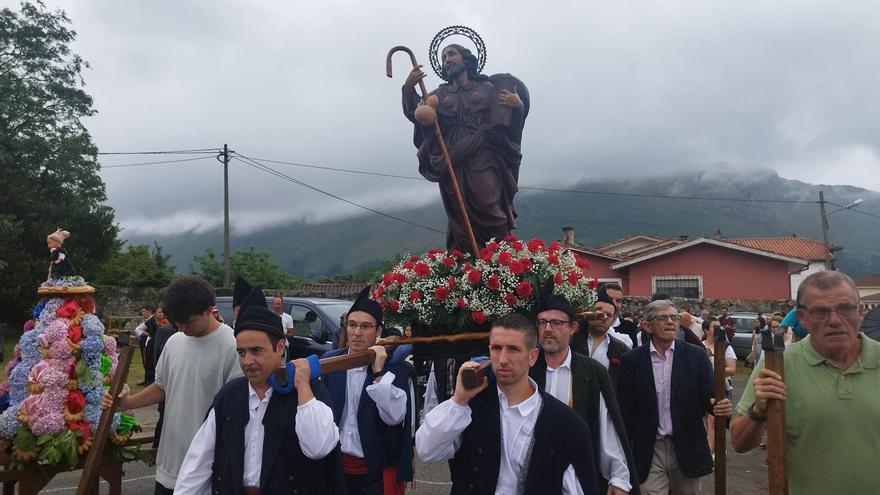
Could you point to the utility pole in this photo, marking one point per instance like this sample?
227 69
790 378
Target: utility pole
226 261
829 263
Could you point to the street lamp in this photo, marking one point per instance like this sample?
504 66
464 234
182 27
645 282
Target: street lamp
829 262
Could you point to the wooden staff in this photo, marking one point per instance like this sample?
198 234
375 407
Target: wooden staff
720 423
464 214
773 347
93 460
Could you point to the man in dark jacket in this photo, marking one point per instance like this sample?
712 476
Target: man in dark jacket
371 405
596 342
258 439
665 391
510 436
583 383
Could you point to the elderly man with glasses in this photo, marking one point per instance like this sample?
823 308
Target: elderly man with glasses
665 391
371 406
832 379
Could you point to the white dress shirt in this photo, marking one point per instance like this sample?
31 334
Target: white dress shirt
390 400
612 460
286 321
315 429
439 438
600 352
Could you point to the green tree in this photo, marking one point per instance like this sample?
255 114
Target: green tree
136 267
48 162
257 267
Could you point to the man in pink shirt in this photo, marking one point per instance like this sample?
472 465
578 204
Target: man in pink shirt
665 391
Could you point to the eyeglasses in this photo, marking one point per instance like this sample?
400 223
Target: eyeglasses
665 318
844 311
353 325
554 324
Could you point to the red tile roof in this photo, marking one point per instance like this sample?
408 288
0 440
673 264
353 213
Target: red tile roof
794 247
872 280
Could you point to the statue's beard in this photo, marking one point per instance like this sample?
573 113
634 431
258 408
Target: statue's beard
453 70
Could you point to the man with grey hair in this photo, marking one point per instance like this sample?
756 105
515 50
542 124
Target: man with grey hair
831 381
666 429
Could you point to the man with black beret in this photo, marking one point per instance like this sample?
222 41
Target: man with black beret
371 406
584 384
258 438
240 291
597 343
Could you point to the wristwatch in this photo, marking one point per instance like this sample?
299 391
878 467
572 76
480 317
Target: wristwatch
755 416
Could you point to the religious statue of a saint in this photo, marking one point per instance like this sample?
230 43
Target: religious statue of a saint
481 118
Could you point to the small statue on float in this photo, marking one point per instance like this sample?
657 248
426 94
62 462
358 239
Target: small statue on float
59 265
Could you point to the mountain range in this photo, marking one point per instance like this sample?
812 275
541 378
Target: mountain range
626 205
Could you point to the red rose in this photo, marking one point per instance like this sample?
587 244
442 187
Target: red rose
508 299
505 258
615 361
441 293
516 268
479 317
394 305
557 279
401 278
413 259
388 278
68 309
451 283
75 401
467 265
492 246
581 263
474 276
461 302
409 265
518 245
593 283
449 261
74 333
554 246
83 429
493 283
535 245
526 264
524 289
573 277
510 238
422 269
486 254
553 258
457 253
414 295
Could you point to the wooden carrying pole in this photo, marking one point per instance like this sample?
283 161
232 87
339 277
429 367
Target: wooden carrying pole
455 187
773 347
720 423
93 460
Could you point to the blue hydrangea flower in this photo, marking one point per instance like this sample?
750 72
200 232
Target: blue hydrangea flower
9 423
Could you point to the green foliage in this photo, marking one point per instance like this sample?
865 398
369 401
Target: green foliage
257 267
137 267
48 162
54 448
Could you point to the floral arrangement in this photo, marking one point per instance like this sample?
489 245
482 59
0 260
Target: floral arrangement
51 398
450 289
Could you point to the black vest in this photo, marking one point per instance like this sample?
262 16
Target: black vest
285 469
559 439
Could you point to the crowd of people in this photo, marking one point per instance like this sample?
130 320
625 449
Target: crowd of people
612 405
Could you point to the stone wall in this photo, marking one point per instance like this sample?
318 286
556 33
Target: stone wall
715 306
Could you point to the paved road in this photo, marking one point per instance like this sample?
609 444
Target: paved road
747 473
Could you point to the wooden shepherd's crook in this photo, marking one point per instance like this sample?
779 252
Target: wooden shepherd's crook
93 460
773 346
720 423
464 214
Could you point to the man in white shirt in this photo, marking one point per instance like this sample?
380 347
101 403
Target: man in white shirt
286 319
263 439
583 384
510 437
597 343
195 363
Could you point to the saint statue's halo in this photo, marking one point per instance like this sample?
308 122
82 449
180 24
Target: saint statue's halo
452 31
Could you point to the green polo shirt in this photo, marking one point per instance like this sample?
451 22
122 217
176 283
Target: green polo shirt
832 420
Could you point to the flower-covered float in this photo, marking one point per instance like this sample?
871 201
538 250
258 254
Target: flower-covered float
62 364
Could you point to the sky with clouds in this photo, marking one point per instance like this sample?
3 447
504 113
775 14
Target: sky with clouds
618 89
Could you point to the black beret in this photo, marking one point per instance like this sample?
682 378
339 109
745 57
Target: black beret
239 291
261 319
602 296
367 305
549 301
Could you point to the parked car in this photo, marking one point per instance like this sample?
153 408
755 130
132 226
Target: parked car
742 339
323 332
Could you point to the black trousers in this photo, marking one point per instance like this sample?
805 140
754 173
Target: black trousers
161 490
363 484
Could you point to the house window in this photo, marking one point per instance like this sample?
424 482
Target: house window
687 286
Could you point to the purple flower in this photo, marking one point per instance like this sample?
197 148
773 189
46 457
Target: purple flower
91 326
9 423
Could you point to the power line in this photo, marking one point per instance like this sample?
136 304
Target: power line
852 209
155 163
174 152
247 161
